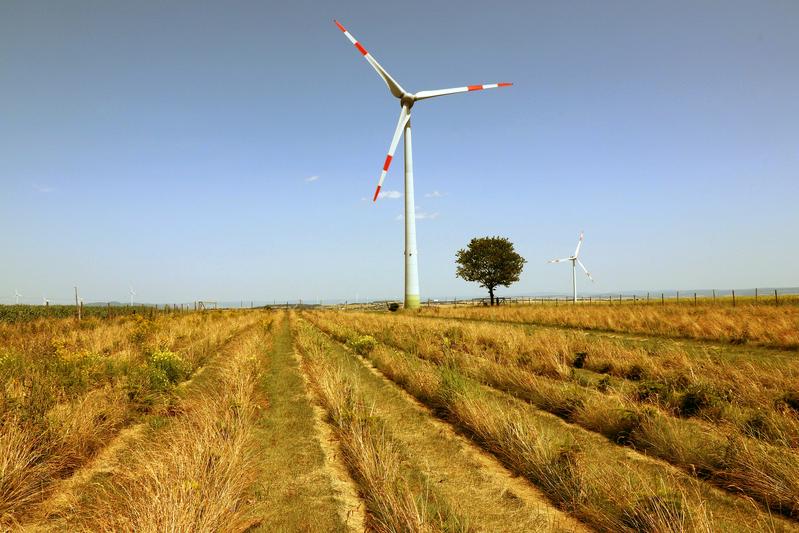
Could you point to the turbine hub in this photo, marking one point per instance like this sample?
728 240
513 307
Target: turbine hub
407 100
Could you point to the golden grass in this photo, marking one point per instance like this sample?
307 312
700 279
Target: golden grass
197 474
592 410
768 325
69 388
377 461
747 391
728 458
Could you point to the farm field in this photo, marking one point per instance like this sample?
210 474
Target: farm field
460 420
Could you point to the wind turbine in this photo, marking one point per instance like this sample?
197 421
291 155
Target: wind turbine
17 296
132 294
404 126
575 261
45 301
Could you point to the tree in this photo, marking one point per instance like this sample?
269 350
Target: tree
490 261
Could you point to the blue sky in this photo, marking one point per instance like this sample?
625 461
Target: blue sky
170 145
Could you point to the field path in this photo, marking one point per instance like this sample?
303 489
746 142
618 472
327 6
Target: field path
472 481
302 489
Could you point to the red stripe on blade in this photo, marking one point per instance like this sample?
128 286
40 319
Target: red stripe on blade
387 163
376 193
504 84
475 87
339 25
361 49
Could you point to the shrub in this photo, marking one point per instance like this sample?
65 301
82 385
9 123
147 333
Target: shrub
363 344
696 398
393 307
166 369
652 391
635 372
790 400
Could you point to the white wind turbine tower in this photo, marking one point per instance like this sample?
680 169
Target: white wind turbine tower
575 261
45 301
17 296
132 294
404 126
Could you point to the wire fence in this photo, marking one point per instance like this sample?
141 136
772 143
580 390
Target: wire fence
729 297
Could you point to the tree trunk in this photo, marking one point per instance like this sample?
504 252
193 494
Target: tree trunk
491 293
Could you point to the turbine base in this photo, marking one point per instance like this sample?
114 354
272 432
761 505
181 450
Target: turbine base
412 301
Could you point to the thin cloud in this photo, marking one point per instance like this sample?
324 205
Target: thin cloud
43 188
435 194
311 178
390 194
420 215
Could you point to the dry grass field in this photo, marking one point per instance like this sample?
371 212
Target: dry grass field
539 418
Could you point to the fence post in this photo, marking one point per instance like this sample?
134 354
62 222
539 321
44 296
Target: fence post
755 294
733 297
694 298
77 305
662 299
776 298
714 295
647 297
678 296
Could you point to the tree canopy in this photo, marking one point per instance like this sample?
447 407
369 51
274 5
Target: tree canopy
490 261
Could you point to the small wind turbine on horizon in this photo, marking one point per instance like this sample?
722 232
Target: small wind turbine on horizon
407 101
132 294
45 301
575 261
17 296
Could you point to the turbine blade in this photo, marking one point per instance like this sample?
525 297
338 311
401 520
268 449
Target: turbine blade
560 260
579 243
405 115
393 86
421 95
585 270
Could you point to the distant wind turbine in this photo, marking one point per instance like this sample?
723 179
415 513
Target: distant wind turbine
575 261
132 294
45 301
17 296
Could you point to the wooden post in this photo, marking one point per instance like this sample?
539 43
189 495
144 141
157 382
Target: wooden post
755 294
647 297
714 295
77 304
733 297
776 298
662 299
678 296
694 298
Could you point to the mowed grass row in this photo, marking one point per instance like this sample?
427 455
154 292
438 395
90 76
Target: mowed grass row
68 389
601 483
198 470
719 454
398 498
768 325
435 479
757 394
300 488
